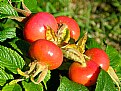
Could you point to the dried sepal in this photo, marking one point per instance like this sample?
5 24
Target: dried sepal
81 43
74 55
73 46
15 81
51 35
63 34
36 69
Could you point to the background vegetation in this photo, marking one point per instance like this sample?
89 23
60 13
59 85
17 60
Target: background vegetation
102 21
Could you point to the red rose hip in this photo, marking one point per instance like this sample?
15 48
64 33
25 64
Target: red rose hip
99 56
35 27
47 53
72 26
84 75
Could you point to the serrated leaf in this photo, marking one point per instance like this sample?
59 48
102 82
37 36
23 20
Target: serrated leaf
4 75
7 10
20 45
115 59
67 85
104 82
91 43
2 82
7 33
10 59
13 87
31 86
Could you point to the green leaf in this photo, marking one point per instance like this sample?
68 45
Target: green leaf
13 87
31 5
91 43
10 59
115 59
20 45
67 85
7 10
7 33
4 75
104 82
31 86
2 82
16 0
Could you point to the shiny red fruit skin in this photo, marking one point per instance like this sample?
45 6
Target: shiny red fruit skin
86 76
35 27
72 26
99 56
47 53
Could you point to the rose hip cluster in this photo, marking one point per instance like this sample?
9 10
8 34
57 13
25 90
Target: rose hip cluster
49 55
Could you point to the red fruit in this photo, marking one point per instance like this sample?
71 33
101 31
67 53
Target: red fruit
35 27
84 75
99 56
46 53
72 26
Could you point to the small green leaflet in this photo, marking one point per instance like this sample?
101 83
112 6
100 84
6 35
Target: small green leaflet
2 82
104 82
10 59
115 59
4 76
6 10
16 0
67 85
91 43
13 87
31 86
7 33
20 46
31 5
